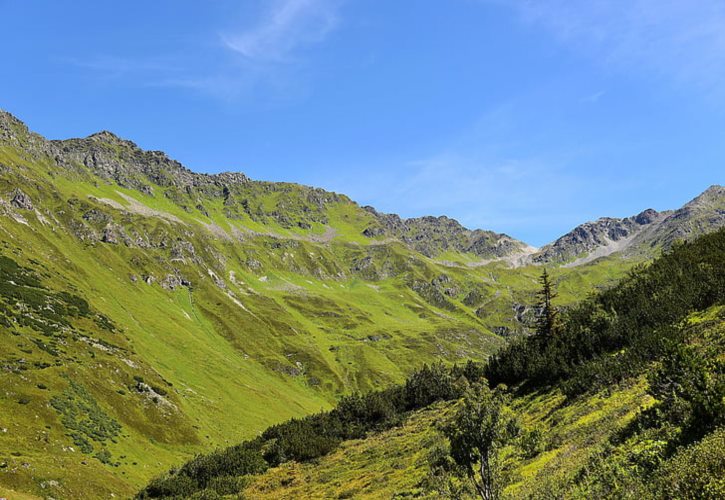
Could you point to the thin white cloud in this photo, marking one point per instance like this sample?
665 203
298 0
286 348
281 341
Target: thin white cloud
288 26
480 191
593 98
679 39
115 67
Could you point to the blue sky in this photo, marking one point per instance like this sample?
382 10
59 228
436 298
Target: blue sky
526 117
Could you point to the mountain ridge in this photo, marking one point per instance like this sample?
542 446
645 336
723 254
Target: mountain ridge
123 161
638 233
174 314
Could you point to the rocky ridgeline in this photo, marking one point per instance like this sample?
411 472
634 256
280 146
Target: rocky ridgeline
114 159
639 234
122 161
604 232
701 215
433 235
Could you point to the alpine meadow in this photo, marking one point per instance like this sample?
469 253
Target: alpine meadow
175 331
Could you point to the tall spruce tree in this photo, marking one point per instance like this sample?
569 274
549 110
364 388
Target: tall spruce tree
547 314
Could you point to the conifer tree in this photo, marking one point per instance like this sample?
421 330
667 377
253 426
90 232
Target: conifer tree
547 314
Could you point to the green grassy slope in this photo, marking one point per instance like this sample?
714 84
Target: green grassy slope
625 398
398 461
585 447
145 319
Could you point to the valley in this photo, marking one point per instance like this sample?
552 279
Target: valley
149 313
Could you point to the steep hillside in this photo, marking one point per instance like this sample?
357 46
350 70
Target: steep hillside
149 313
626 398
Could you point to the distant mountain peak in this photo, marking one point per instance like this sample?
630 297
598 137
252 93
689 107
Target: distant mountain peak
713 194
640 233
432 235
108 136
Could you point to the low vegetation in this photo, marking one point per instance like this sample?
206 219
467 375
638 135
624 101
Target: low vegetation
641 365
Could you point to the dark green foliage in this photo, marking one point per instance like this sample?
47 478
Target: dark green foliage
479 428
75 306
317 435
85 421
636 316
697 471
355 416
178 486
532 442
158 390
444 474
104 456
220 472
428 385
689 383
547 314
24 301
302 439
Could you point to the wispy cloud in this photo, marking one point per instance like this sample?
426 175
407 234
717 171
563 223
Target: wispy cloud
263 62
593 98
110 66
286 27
679 39
479 189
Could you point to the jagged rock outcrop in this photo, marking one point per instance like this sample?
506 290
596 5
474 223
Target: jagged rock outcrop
606 235
639 234
703 214
21 200
122 161
434 235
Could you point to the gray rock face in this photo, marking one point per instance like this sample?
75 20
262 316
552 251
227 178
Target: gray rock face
604 232
170 282
21 200
703 214
110 235
647 217
434 235
122 161
640 233
182 249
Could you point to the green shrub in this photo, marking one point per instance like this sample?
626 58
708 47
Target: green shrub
83 418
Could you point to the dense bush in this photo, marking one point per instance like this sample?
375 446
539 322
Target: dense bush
314 436
85 421
689 384
614 334
697 471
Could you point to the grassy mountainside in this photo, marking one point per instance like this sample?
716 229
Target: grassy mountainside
149 313
638 411
583 447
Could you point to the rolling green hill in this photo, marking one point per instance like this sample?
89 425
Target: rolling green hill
149 313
